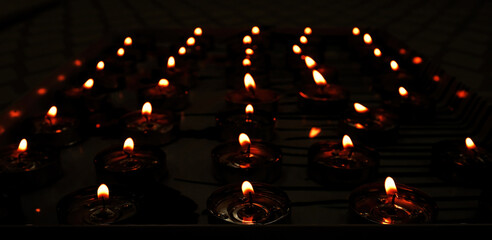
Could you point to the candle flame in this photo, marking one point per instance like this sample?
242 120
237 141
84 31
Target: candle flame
88 84
347 142
402 51
171 62
255 30
128 145
120 52
198 31
303 39
190 41
52 112
182 51
417 60
100 65
470 144
390 186
128 41
436 78
246 62
296 49
249 82
308 31
249 51
318 78
102 192
360 108
247 39
462 93
244 141
355 31
314 132
247 188
394 65
310 63
22 145
377 52
147 109
163 83
403 92
367 38
359 126
249 109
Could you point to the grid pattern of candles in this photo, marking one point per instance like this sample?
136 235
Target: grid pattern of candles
262 126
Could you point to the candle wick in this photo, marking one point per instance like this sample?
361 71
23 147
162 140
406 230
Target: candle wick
351 151
393 199
50 121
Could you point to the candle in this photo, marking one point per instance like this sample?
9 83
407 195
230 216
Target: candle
342 165
150 127
391 204
248 204
83 99
177 74
372 127
462 162
305 75
258 124
165 95
384 83
130 164
264 99
28 166
256 160
412 106
321 97
109 79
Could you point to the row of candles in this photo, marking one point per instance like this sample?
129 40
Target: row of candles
251 112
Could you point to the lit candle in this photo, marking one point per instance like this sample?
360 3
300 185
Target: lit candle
165 95
264 99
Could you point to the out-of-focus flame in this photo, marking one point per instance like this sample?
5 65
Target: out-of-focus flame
103 192
296 49
147 109
367 39
88 84
247 39
402 51
190 41
462 93
249 82
355 31
470 144
128 41
394 65
303 39
171 62
246 62
390 186
310 63
314 132
163 83
436 78
244 141
318 78
100 65
416 60
247 188
249 51
182 51
120 52
255 30
347 142
359 126
308 31
128 145
52 112
360 108
249 109
198 31
403 92
377 52
22 145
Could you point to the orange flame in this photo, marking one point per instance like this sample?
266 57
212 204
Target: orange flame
171 62
100 65
249 51
247 188
377 52
249 109
163 83
147 109
318 78
198 31
120 52
128 145
255 30
360 108
310 63
182 51
190 41
347 142
394 65
462 93
244 140
88 84
403 92
367 38
390 186
417 60
52 112
103 192
314 132
402 51
308 31
22 145
359 126
296 49
247 39
249 82
436 78
303 39
246 62
470 144
355 31
128 41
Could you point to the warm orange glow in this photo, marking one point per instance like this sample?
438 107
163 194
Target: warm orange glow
367 38
360 108
303 39
42 91
359 126
247 188
22 145
462 93
249 82
249 109
470 144
163 83
347 142
244 140
403 92
249 51
103 192
296 49
314 132
308 31
247 39
100 65
182 51
436 78
88 84
15 113
417 60
255 30
52 112
310 63
120 52
355 31
77 62
171 62
198 31
390 186
128 41
128 145
318 78
246 62
147 109
394 65
377 52
190 41
403 51
60 78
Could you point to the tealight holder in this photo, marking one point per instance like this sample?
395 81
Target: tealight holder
261 162
334 166
268 205
258 125
28 168
370 203
165 96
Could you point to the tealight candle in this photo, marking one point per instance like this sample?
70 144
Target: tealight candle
391 204
256 160
28 167
109 79
249 204
341 165
385 83
264 99
130 164
165 95
177 74
83 99
329 73
150 128
258 124
412 106
461 162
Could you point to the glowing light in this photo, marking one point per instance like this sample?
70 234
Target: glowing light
461 93
182 51
360 108
308 31
377 52
249 109
310 63
249 51
147 109
198 31
355 31
244 141
315 131
246 62
367 39
247 39
436 78
100 65
255 30
417 60
128 145
77 63
88 84
318 78
163 83
52 112
347 142
128 41
403 92
103 192
390 186
190 41
303 39
296 49
22 145
394 65
171 62
470 144
120 52
249 82
247 188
